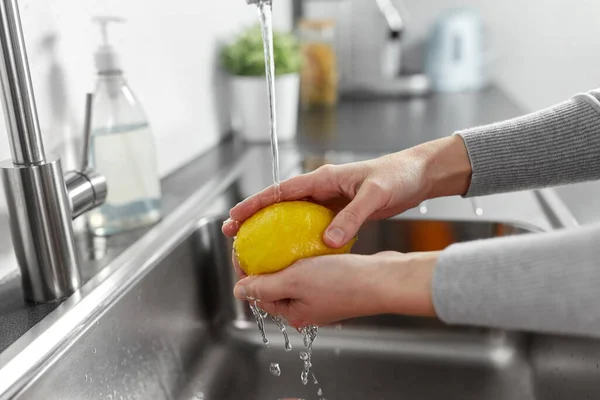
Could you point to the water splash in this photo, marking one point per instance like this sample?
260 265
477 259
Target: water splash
281 322
309 334
260 319
275 369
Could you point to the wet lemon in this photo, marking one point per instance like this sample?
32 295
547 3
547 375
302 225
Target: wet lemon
279 235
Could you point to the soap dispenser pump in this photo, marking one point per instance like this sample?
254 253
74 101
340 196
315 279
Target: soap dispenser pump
122 147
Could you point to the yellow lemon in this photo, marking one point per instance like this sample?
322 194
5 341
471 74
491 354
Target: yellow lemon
281 234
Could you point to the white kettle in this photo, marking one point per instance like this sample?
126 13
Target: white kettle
455 56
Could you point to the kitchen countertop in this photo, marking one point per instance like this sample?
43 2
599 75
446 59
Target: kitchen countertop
382 126
364 126
389 125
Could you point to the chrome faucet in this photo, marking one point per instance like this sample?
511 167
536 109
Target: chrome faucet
391 64
41 201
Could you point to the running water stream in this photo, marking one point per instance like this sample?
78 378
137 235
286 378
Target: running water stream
309 333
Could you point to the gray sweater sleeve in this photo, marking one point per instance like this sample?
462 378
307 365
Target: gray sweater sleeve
540 282
554 146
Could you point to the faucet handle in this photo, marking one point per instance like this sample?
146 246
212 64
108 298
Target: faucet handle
86 188
87 131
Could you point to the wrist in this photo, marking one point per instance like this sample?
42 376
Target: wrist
409 289
446 167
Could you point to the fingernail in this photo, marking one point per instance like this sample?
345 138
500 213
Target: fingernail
240 292
227 221
336 235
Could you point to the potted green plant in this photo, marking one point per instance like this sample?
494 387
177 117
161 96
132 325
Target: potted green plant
243 59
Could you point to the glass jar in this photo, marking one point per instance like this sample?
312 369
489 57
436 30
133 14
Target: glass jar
319 76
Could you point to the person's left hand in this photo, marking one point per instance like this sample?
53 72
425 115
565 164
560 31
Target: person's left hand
322 290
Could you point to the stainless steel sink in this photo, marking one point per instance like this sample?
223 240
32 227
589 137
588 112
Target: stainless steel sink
179 333
160 322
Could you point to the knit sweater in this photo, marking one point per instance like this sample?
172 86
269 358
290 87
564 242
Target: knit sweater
548 282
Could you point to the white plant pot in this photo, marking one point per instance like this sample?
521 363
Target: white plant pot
250 113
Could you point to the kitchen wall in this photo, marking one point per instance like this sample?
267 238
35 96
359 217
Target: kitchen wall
169 53
542 51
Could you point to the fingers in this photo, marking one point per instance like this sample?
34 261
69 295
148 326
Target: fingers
236 265
266 288
316 184
280 307
230 228
293 189
348 221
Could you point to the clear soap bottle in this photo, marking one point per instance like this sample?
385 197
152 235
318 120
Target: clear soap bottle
122 149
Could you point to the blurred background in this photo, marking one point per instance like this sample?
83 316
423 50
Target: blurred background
538 51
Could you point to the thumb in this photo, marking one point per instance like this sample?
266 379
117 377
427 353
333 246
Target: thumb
267 288
348 221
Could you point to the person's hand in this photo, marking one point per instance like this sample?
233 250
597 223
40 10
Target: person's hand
374 189
328 289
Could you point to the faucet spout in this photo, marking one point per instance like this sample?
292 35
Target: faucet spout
18 101
41 203
391 61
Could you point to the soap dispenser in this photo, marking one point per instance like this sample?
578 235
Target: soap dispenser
122 147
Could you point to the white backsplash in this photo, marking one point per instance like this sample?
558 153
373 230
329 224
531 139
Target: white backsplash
169 52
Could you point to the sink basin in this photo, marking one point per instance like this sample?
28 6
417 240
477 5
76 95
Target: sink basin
179 334
159 322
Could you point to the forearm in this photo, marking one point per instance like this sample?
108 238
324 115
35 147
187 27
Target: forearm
558 145
543 282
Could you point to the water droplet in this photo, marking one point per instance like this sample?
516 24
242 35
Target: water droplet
304 377
280 322
275 369
94 351
260 320
320 392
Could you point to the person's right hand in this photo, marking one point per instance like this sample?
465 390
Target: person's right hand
373 189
